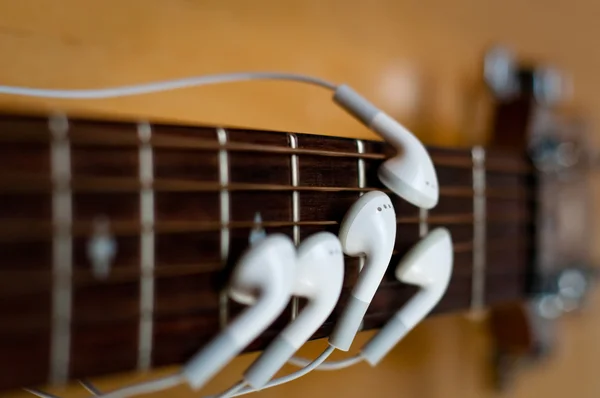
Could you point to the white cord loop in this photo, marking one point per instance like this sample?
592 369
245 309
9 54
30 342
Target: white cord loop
145 387
330 365
236 388
90 387
167 85
292 376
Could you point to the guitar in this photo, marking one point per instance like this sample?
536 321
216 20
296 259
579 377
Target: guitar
117 238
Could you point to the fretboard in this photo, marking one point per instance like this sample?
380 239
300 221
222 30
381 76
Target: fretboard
180 202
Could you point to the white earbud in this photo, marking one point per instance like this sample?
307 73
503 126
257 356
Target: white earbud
263 279
429 266
410 174
368 228
319 277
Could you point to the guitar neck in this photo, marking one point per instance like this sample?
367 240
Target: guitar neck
180 202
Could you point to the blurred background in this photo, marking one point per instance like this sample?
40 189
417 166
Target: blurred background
421 61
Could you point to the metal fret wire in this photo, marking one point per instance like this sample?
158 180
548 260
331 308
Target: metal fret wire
147 239
62 251
295 179
225 220
361 182
361 177
479 230
423 224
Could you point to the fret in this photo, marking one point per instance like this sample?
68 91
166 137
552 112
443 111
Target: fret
62 250
361 182
147 254
295 180
361 177
423 224
479 231
89 322
225 220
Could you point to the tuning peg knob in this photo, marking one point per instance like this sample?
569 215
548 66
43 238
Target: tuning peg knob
551 86
500 72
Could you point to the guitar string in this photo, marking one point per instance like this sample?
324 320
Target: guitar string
372 319
190 144
38 280
30 183
126 273
111 283
82 277
26 230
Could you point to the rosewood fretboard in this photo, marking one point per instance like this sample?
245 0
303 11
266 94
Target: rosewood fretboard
180 203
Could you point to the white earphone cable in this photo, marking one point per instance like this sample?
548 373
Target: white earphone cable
292 376
167 85
90 387
233 390
39 393
307 365
330 365
145 387
237 390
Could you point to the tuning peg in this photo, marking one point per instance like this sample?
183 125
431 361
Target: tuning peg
573 286
500 72
551 86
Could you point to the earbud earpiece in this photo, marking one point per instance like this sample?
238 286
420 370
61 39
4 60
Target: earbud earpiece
263 279
410 174
368 228
319 277
428 265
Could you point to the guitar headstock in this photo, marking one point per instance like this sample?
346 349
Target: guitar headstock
529 115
